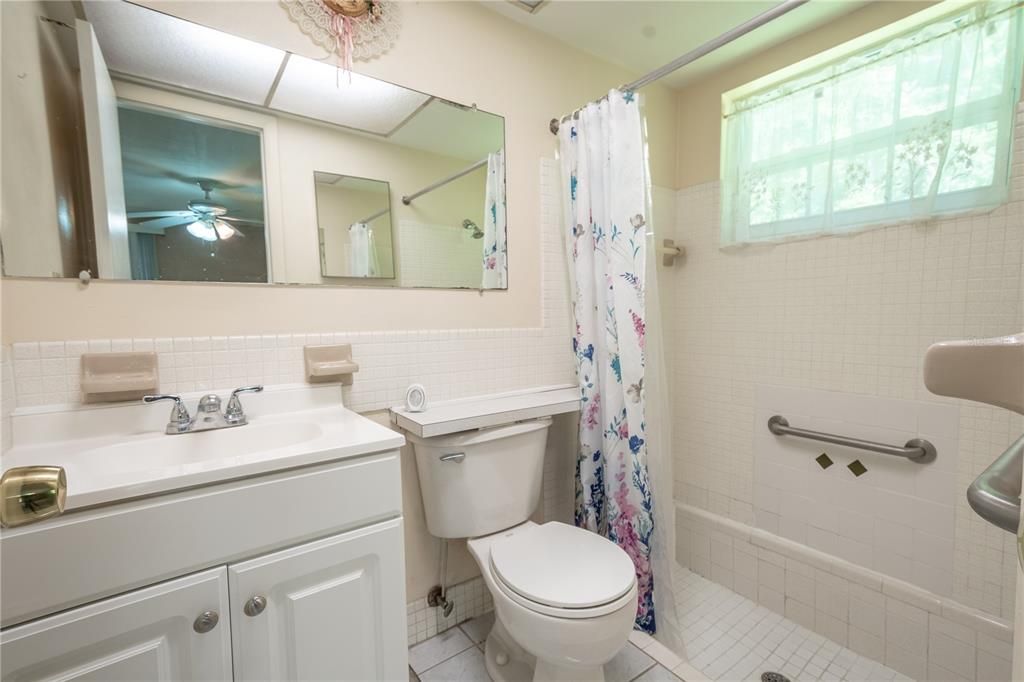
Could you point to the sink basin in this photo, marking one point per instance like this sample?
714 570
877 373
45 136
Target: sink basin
115 453
984 370
161 451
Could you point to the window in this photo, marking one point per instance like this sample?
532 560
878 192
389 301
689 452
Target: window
905 129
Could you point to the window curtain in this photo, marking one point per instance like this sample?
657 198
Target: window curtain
362 253
142 253
495 259
918 126
604 175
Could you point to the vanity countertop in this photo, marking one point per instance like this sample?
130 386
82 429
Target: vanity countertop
103 468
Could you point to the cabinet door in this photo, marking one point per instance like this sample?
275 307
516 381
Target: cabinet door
333 609
148 634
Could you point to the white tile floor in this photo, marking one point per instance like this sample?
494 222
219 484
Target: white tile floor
729 637
725 636
457 654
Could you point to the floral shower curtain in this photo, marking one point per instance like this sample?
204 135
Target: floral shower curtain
604 172
495 248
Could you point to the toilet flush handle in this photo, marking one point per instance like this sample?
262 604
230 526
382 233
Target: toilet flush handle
454 457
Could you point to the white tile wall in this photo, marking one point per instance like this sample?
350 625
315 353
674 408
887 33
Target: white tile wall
851 314
7 398
897 517
888 620
471 598
439 255
449 363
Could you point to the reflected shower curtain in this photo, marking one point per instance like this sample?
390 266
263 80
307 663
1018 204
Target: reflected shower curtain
495 247
604 174
362 255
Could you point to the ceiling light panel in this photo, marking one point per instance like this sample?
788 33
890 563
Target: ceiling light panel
140 42
322 91
531 6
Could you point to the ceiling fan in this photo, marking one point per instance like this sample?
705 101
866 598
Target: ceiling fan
203 219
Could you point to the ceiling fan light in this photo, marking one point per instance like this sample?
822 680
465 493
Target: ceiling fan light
202 230
224 231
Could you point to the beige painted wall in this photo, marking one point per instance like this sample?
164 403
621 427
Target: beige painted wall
456 50
699 106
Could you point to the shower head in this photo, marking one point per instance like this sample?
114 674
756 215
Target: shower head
468 224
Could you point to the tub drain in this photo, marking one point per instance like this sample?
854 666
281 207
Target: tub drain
773 677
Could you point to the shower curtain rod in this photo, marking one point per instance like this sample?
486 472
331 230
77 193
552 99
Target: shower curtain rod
407 199
696 53
375 215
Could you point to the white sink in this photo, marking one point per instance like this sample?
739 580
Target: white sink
984 370
114 453
161 451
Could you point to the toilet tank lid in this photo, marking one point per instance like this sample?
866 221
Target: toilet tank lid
563 566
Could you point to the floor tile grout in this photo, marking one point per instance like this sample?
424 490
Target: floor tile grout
447 658
727 636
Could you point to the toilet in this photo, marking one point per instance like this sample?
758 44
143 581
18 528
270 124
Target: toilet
565 599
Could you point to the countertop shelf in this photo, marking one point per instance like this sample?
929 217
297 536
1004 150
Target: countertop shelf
483 411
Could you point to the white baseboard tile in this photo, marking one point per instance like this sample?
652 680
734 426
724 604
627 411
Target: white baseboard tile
914 631
472 599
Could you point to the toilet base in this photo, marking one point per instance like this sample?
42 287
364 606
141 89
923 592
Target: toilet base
506 661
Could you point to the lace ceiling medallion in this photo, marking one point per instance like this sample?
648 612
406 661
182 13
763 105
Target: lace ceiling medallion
354 29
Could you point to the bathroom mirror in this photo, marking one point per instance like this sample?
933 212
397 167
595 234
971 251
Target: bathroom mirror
137 145
353 216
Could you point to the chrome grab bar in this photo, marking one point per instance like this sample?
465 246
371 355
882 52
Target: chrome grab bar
995 494
916 449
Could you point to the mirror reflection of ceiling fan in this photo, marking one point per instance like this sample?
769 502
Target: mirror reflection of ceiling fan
204 219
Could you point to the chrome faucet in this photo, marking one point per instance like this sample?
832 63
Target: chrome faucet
208 414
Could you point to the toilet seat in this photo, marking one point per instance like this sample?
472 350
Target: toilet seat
563 571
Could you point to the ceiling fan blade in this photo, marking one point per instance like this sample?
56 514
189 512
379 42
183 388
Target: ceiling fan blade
241 221
159 214
169 221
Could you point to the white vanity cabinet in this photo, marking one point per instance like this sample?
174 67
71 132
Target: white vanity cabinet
325 610
176 630
118 591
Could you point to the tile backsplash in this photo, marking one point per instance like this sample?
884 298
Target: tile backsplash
448 363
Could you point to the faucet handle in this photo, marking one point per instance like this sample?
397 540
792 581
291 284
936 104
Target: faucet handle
233 413
180 419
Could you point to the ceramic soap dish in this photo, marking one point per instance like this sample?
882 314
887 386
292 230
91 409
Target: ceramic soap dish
111 377
330 363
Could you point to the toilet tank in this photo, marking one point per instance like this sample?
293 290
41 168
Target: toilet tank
479 482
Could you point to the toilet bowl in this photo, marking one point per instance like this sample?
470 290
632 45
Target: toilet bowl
565 599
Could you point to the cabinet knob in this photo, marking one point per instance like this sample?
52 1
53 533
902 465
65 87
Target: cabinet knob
206 621
255 605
